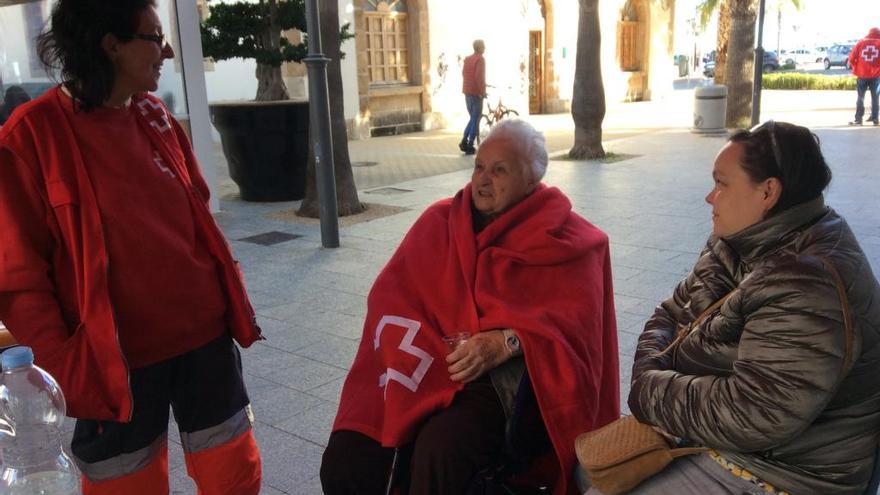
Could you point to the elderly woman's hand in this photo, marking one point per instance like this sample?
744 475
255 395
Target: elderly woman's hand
477 355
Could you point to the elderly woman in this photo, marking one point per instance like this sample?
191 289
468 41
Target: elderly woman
509 262
781 380
113 269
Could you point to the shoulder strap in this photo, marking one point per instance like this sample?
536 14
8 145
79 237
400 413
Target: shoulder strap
685 331
847 318
687 451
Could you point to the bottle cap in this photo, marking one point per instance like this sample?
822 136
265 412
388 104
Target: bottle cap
17 357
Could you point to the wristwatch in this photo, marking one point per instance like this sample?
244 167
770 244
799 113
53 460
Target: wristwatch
511 342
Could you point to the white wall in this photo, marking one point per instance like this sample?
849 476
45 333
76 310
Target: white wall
349 63
15 63
451 37
565 26
232 80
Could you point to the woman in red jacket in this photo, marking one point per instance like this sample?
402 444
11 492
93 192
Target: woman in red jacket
113 269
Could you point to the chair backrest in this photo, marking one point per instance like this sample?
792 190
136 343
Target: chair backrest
874 484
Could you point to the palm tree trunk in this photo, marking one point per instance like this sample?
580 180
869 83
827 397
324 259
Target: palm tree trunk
588 98
723 39
347 201
740 62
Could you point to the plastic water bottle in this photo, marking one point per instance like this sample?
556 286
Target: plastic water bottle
32 411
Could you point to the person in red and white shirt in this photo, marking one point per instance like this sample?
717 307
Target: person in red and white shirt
865 62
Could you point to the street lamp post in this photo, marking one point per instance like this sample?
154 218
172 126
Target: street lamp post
759 68
319 129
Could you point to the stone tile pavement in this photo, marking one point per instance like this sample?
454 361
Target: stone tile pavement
311 300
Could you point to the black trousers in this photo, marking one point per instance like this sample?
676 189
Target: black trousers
203 387
449 449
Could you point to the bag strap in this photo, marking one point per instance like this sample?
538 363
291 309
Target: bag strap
847 319
683 451
685 331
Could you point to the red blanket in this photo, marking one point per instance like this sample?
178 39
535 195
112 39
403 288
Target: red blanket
540 269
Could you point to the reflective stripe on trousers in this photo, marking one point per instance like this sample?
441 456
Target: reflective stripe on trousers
222 459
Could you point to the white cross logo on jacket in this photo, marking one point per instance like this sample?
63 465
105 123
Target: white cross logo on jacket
870 53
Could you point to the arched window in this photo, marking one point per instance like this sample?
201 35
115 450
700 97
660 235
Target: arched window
386 41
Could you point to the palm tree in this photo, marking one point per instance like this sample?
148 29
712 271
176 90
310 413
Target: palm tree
740 69
734 57
588 98
347 202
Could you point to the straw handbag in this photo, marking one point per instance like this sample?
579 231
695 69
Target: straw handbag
622 454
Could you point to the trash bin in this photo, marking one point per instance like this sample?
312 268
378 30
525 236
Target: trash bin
710 109
683 65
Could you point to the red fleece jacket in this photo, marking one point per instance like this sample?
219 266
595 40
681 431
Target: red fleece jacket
540 269
864 58
54 291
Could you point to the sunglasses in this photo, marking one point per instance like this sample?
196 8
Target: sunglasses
158 39
770 125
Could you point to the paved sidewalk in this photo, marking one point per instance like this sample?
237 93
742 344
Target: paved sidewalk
311 301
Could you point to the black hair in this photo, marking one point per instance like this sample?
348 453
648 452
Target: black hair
72 44
796 161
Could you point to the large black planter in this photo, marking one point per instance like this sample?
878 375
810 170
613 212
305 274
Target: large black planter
266 146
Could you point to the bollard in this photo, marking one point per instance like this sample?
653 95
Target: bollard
710 109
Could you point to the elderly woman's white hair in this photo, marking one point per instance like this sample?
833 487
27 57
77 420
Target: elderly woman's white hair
532 141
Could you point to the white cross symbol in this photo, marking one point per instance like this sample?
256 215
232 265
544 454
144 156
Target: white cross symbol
159 163
406 345
870 53
162 126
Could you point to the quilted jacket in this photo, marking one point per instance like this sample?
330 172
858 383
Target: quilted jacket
773 379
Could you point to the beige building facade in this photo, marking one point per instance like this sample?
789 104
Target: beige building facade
409 55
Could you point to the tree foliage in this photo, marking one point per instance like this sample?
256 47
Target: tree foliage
253 31
239 30
707 7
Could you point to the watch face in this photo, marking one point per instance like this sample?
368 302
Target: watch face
513 342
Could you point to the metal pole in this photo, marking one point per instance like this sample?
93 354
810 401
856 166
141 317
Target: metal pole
320 132
759 68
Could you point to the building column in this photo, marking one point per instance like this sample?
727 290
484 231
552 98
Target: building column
190 53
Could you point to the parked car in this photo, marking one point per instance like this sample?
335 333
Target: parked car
838 55
771 63
801 56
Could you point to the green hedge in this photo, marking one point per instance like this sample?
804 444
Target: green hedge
808 81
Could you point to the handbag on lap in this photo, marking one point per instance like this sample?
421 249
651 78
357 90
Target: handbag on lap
623 453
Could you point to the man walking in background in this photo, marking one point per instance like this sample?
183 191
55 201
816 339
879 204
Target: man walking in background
473 75
865 62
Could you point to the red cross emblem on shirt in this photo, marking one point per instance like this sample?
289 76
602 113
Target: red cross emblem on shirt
870 53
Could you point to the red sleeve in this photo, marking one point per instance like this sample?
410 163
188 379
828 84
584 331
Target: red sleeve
28 306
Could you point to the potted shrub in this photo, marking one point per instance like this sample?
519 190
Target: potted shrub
265 140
